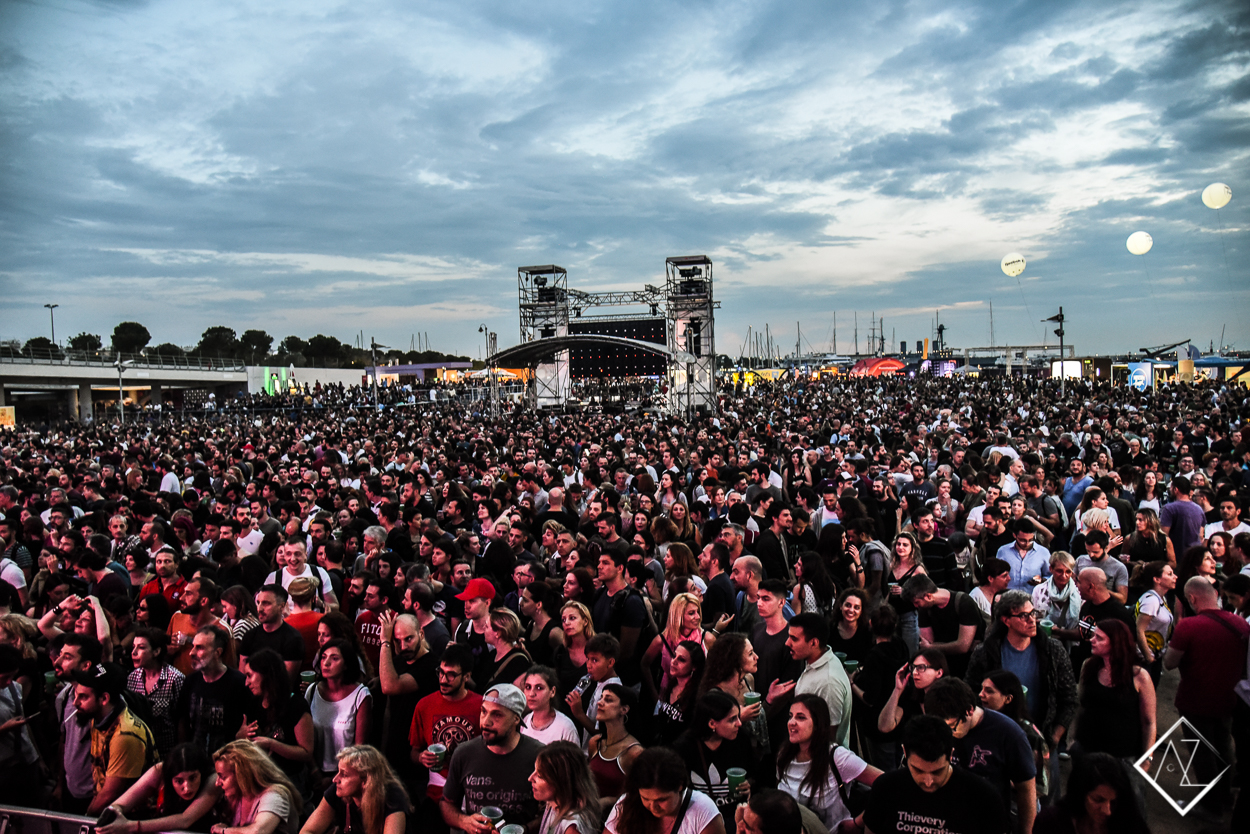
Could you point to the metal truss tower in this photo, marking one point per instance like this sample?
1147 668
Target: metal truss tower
689 307
543 298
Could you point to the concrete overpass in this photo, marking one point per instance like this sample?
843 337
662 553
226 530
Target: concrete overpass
78 375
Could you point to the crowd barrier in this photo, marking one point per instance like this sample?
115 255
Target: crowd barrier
15 820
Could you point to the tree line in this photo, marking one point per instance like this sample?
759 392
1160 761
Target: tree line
255 347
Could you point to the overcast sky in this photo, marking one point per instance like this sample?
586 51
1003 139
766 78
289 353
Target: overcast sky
333 167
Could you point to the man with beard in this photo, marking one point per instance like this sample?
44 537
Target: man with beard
77 653
215 698
448 717
408 671
198 599
167 582
499 761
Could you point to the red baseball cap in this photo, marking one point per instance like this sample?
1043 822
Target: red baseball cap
477 589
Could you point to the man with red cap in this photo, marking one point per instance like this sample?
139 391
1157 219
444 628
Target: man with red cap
477 598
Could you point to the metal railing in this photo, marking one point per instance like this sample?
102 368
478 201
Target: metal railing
108 358
15 820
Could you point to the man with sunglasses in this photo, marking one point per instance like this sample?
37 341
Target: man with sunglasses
1041 664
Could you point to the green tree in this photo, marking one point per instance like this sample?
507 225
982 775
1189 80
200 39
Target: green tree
218 341
168 349
291 350
88 342
255 344
327 350
130 337
42 346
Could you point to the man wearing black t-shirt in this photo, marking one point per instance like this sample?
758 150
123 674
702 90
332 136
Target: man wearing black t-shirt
929 793
949 622
1098 604
215 697
714 565
274 632
621 616
988 744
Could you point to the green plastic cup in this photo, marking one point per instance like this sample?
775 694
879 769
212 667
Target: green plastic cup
493 814
749 698
851 666
50 682
840 656
439 751
737 776
513 828
1045 627
307 677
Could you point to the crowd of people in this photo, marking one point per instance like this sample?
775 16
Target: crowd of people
889 605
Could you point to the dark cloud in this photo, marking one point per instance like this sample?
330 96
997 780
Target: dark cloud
424 151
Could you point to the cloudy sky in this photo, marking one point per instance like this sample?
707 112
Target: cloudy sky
333 167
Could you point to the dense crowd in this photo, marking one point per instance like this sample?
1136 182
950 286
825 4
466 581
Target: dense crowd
892 605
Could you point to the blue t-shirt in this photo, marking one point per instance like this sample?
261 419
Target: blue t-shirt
1024 665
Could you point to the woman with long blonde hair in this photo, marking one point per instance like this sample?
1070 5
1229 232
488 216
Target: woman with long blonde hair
366 796
260 799
685 622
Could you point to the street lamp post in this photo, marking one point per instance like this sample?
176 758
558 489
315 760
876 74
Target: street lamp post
373 347
121 392
52 317
1058 319
492 347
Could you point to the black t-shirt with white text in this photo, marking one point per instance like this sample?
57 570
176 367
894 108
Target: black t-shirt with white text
966 804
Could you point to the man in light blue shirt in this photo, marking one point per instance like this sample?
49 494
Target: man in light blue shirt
1030 563
1074 487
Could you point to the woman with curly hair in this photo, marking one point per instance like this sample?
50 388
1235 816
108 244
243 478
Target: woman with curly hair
815 590
366 796
259 798
658 799
731 667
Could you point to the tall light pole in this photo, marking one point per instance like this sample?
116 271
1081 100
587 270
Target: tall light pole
373 347
52 317
121 392
492 347
1059 332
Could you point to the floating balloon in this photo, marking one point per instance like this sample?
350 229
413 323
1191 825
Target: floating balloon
1216 195
1013 264
1139 243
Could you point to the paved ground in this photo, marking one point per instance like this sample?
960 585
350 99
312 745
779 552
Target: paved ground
1162 817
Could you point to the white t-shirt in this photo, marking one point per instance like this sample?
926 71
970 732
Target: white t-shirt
286 578
562 729
1154 606
1218 526
827 804
11 573
169 483
250 543
699 815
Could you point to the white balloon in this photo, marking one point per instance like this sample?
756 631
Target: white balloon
1013 264
1139 243
1216 195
